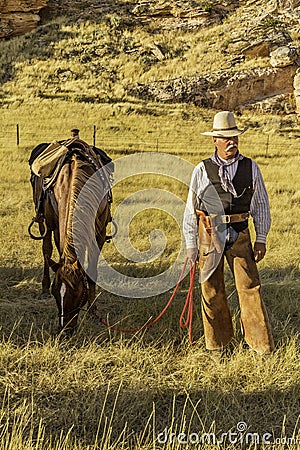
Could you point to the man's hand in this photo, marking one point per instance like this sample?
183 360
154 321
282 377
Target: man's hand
259 251
192 254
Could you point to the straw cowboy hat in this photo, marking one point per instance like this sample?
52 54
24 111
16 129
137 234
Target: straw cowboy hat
224 126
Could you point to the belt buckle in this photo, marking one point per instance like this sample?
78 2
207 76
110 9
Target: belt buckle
226 218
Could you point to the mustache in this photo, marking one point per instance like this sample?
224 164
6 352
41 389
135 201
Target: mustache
232 146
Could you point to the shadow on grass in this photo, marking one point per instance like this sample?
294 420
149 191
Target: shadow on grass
21 310
280 289
20 303
20 289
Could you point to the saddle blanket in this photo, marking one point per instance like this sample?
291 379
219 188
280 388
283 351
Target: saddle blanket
44 163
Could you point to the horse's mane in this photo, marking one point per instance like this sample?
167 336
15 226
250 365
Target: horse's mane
80 228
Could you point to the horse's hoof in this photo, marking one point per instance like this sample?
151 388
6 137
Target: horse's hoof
44 296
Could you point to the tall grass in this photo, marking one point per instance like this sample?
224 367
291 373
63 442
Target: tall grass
146 390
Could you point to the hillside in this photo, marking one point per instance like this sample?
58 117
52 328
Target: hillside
237 55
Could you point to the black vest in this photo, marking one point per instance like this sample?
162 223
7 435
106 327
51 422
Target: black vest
243 185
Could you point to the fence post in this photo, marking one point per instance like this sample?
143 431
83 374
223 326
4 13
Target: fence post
94 136
18 135
267 146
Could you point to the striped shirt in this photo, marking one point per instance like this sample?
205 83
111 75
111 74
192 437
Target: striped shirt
259 206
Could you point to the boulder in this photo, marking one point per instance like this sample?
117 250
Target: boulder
17 24
283 56
260 48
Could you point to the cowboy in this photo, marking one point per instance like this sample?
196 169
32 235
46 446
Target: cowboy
225 190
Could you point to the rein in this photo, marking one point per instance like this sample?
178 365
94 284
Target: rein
188 306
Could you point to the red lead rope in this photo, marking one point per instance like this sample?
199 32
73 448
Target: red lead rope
184 323
188 306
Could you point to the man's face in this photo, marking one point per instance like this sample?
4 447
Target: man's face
226 147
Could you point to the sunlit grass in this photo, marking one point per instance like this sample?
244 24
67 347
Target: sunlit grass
102 389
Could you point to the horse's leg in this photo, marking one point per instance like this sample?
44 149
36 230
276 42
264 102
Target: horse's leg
92 295
93 256
92 278
47 253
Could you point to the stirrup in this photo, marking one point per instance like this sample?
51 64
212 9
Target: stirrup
41 220
110 237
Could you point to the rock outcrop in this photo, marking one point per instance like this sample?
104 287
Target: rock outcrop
224 90
18 17
266 34
284 56
264 45
168 15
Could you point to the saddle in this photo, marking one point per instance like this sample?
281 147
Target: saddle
47 159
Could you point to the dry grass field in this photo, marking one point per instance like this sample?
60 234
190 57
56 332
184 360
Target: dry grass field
105 390
151 390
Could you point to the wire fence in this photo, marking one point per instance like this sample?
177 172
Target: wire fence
118 142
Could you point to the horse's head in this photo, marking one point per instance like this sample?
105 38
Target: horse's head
70 288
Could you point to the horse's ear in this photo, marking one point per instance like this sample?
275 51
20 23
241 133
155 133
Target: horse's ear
54 265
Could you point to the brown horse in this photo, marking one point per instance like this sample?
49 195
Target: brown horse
56 207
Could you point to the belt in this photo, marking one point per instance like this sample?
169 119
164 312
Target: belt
226 218
231 218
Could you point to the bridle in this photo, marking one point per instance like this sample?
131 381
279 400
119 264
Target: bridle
83 299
